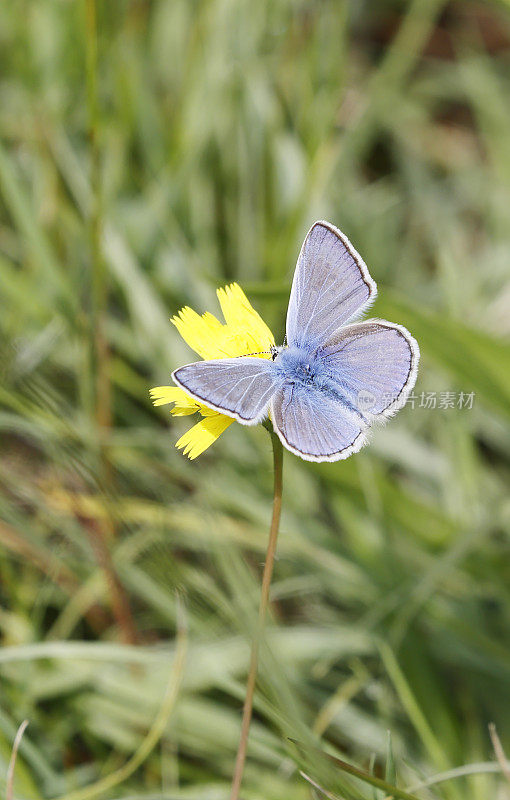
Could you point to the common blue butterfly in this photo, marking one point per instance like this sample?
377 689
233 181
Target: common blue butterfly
334 377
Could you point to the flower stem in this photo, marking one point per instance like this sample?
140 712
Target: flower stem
264 600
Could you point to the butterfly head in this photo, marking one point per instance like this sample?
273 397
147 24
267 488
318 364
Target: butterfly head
274 351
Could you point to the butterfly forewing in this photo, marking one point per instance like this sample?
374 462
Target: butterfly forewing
238 387
373 365
331 286
314 425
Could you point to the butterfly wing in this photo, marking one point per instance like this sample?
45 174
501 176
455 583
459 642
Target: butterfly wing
238 387
331 286
314 425
373 365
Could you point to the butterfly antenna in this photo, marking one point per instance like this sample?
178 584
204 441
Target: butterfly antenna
260 353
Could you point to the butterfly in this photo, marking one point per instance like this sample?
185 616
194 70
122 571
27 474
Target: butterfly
334 377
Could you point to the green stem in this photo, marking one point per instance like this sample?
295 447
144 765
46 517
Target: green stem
99 282
103 534
264 601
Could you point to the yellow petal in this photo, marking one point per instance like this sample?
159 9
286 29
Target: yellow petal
248 333
203 434
183 411
168 394
200 332
184 403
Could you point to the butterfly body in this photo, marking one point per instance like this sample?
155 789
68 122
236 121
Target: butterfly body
300 366
335 377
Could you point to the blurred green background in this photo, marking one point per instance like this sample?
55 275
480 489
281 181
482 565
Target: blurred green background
191 145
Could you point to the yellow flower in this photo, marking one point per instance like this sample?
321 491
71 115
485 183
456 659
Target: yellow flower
243 333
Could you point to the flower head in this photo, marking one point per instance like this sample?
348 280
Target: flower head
243 333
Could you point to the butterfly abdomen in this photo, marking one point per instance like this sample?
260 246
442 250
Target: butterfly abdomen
306 369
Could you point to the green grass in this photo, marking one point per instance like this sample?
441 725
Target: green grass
222 130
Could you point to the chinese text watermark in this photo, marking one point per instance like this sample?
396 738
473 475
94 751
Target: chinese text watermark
367 401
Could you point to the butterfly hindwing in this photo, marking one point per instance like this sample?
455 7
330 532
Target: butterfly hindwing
373 364
331 286
238 387
314 425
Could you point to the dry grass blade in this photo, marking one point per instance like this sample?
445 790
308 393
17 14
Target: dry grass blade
9 793
319 787
500 753
482 768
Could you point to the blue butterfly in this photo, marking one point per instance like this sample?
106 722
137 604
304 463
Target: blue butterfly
334 377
